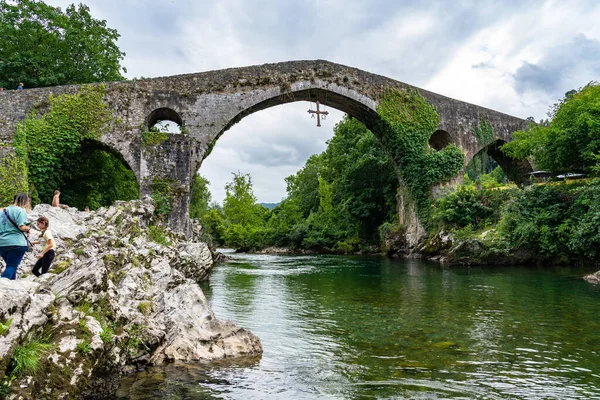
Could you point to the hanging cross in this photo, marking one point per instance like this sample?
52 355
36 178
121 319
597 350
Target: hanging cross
319 113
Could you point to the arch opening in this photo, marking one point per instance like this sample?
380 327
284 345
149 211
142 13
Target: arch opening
439 139
300 173
353 108
164 120
490 164
96 176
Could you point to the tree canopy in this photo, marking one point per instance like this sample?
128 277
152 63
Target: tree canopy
43 46
570 141
336 202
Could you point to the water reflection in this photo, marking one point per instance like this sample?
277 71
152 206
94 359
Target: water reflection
349 327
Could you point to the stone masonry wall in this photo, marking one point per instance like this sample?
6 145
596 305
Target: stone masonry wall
209 103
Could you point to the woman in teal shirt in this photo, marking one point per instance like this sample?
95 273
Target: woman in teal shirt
13 243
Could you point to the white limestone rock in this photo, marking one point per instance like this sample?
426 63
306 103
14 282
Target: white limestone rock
593 278
108 273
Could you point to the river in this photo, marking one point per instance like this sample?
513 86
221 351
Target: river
335 327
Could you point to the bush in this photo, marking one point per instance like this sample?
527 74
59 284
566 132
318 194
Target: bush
465 206
584 220
555 221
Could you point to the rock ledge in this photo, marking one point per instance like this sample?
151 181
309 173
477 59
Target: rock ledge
122 292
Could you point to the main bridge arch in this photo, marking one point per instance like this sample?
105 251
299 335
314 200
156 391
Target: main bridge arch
359 108
208 103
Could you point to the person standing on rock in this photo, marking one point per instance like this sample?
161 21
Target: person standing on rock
56 200
47 255
13 230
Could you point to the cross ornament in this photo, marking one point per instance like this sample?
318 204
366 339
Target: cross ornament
319 113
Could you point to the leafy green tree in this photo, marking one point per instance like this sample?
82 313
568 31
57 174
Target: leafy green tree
13 176
240 205
245 219
287 224
332 226
214 224
43 46
570 141
536 221
364 180
200 197
584 240
338 200
303 187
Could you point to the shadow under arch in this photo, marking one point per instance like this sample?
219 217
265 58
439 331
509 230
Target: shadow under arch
97 175
516 170
352 107
90 145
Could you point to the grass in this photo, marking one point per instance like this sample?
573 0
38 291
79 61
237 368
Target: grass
84 307
158 235
106 334
136 339
26 358
88 309
4 326
145 307
84 347
61 266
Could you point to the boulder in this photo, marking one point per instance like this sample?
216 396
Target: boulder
593 278
123 291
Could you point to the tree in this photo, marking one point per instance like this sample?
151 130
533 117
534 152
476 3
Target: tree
303 187
244 218
340 197
570 141
239 205
95 178
51 142
364 180
43 46
200 197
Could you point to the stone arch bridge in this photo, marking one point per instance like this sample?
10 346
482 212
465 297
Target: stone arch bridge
206 104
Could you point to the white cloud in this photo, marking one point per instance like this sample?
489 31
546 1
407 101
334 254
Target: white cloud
269 146
533 34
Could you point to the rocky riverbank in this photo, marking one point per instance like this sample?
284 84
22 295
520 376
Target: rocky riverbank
122 293
481 249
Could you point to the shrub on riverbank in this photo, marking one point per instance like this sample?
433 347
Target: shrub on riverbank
550 222
469 206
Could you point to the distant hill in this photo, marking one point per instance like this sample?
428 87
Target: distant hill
270 206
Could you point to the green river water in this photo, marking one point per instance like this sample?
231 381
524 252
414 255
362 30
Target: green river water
336 327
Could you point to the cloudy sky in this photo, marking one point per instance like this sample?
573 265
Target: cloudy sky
517 57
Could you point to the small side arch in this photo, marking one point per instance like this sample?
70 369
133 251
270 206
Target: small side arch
515 170
89 144
163 114
440 139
